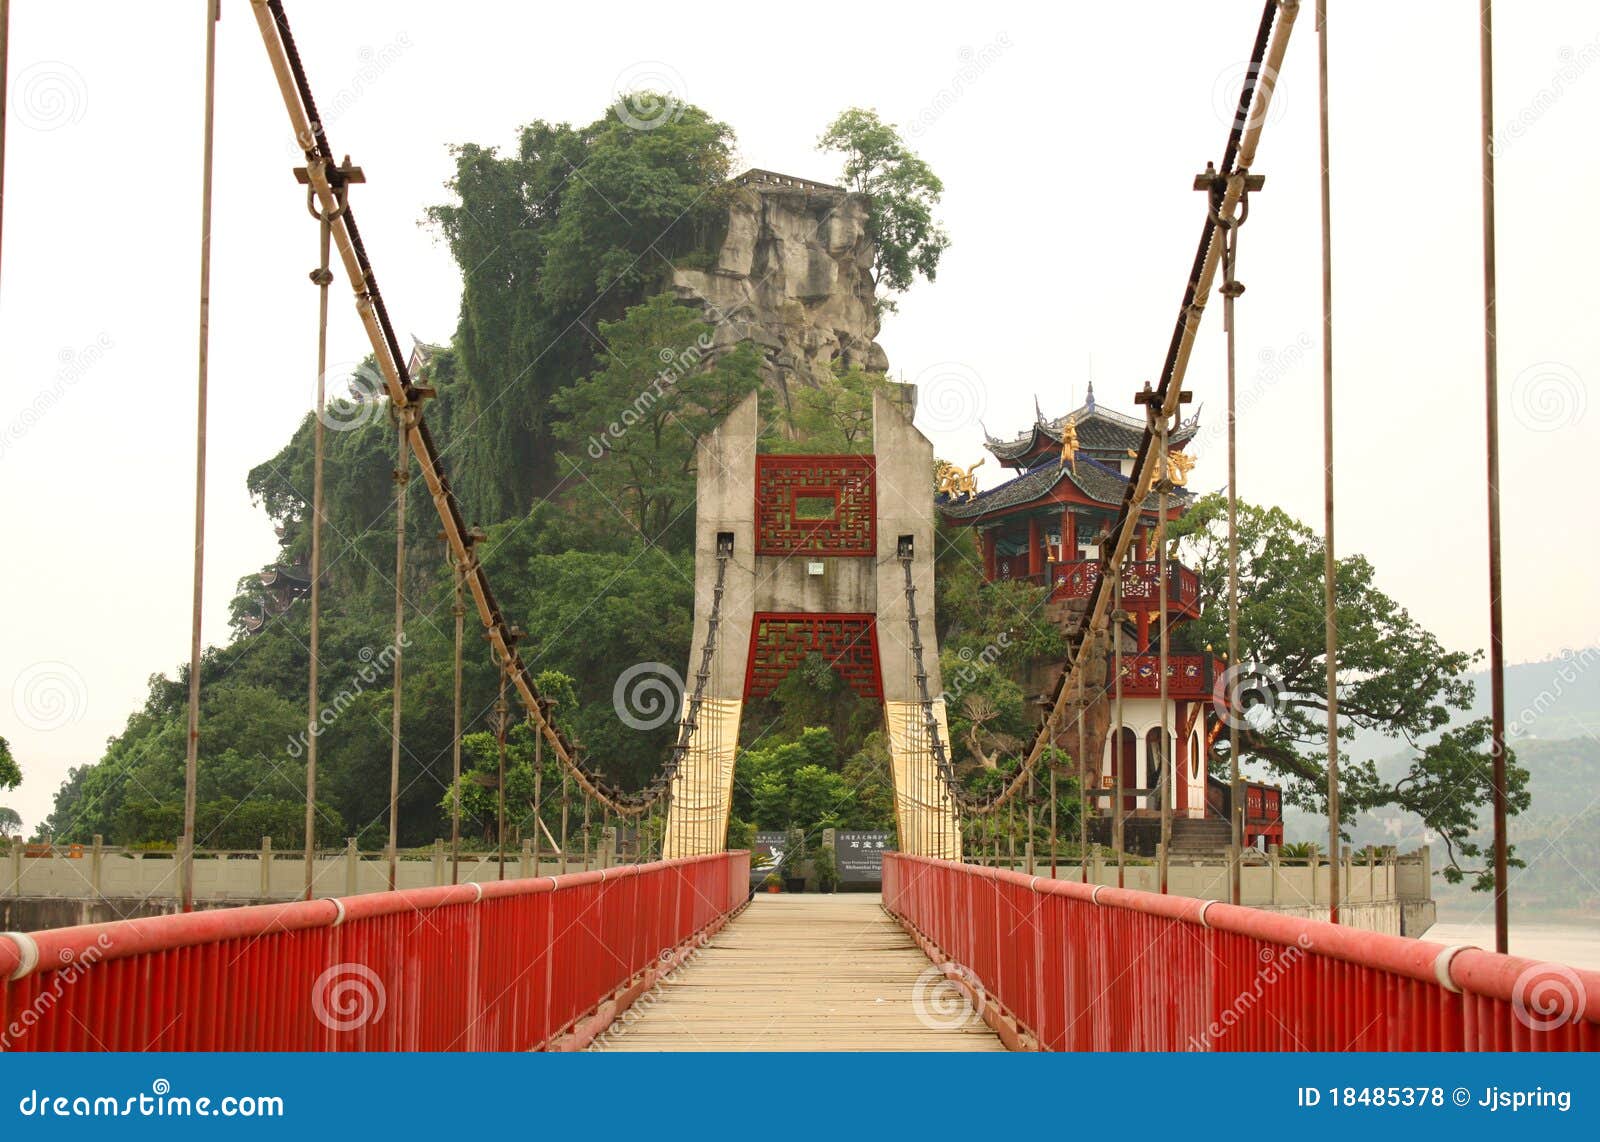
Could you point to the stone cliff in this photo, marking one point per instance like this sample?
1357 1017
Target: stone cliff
793 274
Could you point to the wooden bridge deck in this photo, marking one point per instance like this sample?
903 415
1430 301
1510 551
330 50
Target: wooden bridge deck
803 973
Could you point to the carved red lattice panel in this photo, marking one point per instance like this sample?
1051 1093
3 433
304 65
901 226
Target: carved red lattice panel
849 481
780 642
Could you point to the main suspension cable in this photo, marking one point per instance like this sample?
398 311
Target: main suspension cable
1244 134
192 742
406 397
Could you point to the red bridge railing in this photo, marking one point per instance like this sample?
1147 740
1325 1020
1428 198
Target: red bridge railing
1064 966
509 965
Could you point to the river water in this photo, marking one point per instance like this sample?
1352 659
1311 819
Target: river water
1577 945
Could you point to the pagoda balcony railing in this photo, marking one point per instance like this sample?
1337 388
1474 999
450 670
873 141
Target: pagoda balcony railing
1189 676
1263 808
1140 591
1263 804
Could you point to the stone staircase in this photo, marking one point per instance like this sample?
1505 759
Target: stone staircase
1200 837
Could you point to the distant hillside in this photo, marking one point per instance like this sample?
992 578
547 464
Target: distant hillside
1556 698
1553 718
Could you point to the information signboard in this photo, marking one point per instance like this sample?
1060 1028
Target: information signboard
860 856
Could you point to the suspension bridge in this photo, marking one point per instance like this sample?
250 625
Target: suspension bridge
677 952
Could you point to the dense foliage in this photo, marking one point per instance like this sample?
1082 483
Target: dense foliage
1394 677
568 231
10 778
904 192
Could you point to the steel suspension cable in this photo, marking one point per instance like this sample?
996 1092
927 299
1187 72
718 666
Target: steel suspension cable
1491 393
192 742
5 37
1083 782
1167 752
459 610
1266 60
1329 567
566 807
403 394
321 277
502 719
402 477
1231 289
1118 755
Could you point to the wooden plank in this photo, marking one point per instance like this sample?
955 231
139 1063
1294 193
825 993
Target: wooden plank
801 973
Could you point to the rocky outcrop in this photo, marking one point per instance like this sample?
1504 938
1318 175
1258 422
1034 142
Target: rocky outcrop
794 275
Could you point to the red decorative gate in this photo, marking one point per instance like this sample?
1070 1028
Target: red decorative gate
816 505
780 642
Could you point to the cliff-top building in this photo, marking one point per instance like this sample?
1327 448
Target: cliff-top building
1045 525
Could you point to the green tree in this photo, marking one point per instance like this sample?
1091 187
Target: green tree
795 784
1395 677
903 191
632 425
10 772
835 417
545 254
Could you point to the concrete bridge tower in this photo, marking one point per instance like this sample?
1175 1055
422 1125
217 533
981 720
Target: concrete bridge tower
801 554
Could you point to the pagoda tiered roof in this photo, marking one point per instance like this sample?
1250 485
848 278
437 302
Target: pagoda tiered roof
1099 483
1103 434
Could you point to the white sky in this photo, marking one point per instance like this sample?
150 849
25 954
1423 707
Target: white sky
1067 165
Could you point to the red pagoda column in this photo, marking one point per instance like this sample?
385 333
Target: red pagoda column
986 537
1069 537
1035 555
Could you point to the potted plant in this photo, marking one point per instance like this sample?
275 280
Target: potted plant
773 883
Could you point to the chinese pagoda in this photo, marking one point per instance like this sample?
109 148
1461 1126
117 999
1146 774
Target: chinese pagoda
1045 525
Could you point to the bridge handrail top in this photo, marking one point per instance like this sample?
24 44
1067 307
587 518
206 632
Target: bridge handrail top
1472 970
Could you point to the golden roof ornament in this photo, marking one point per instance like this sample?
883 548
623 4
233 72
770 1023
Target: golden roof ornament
1175 470
1069 444
957 482
1178 465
